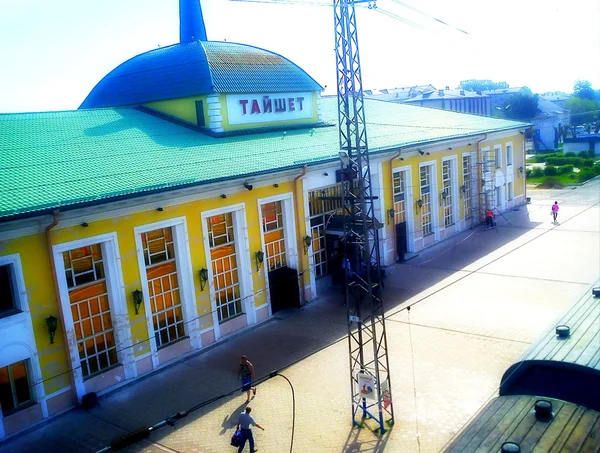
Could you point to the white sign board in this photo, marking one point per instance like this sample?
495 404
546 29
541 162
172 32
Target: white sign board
266 108
366 386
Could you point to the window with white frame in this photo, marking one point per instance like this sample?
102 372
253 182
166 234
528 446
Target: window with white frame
399 197
510 191
467 188
509 155
498 196
15 388
447 192
425 186
90 309
9 299
274 234
163 285
224 264
498 156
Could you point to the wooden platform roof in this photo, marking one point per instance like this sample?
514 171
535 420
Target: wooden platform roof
572 428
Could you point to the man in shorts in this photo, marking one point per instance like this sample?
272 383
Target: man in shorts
246 372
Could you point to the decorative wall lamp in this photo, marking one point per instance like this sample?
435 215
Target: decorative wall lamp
84 225
419 204
203 278
521 169
138 298
259 257
248 186
391 213
463 190
52 324
307 243
159 209
421 152
443 196
223 196
276 185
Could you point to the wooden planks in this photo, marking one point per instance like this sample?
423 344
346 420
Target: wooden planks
573 428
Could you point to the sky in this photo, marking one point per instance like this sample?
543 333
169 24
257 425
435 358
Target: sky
52 53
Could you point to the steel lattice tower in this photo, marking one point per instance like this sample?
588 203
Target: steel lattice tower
367 340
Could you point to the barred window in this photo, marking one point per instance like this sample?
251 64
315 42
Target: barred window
90 309
447 195
425 186
163 286
224 266
274 235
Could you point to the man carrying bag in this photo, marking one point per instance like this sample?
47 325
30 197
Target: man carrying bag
243 426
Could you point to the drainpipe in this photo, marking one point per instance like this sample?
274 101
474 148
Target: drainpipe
394 245
300 240
482 163
57 295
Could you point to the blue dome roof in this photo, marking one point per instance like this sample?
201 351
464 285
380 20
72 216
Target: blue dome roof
196 68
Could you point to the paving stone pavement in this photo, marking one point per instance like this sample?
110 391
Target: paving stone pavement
480 300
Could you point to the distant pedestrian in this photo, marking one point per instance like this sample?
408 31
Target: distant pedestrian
489 218
244 423
555 211
246 372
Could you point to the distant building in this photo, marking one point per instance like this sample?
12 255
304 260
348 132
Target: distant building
458 100
398 94
557 97
549 117
500 98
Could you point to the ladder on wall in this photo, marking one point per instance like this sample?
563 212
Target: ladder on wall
485 193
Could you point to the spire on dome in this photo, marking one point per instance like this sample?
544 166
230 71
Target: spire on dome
191 22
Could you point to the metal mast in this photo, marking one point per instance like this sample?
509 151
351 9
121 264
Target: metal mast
367 343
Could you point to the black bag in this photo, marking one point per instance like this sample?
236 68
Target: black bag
236 439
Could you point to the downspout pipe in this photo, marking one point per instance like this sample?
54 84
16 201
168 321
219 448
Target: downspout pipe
299 239
57 296
394 245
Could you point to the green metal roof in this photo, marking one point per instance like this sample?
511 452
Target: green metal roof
68 159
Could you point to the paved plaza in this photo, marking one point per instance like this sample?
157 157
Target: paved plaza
478 301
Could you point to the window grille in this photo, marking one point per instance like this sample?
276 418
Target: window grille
90 309
163 286
425 175
224 266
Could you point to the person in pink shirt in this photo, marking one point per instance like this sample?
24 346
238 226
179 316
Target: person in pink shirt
555 211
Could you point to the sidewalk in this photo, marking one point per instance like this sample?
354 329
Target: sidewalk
446 360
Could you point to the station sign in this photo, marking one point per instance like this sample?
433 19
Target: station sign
268 108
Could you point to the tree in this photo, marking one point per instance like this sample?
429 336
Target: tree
480 85
522 106
584 110
583 90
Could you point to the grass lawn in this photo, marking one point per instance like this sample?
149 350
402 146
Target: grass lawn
563 179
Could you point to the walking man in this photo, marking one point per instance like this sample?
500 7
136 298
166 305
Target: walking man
555 211
246 372
244 423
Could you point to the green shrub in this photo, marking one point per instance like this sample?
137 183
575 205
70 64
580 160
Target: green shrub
570 154
575 161
528 173
587 163
572 176
586 174
537 172
596 168
583 154
550 170
565 169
